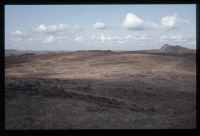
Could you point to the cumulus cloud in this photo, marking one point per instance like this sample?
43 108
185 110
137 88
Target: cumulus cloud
173 22
49 39
78 38
41 28
18 36
51 28
134 22
99 25
18 33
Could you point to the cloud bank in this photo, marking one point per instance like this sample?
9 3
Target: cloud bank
51 28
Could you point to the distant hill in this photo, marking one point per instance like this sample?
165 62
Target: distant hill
166 49
175 50
9 52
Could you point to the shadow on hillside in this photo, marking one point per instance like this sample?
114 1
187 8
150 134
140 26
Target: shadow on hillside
93 103
17 59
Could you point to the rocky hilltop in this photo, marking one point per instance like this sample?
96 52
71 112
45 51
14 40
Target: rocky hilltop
177 49
171 50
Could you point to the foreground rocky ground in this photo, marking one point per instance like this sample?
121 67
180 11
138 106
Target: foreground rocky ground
100 90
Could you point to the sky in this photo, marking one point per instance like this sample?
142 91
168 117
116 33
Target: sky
99 27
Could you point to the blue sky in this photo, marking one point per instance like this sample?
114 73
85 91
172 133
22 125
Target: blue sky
89 27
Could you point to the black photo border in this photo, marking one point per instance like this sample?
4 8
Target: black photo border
100 132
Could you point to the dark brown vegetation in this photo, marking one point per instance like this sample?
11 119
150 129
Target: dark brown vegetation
100 89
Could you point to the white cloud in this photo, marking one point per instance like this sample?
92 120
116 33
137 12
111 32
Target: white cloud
93 37
103 38
51 28
134 22
173 22
49 39
18 36
99 25
108 38
78 38
128 37
41 28
18 33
